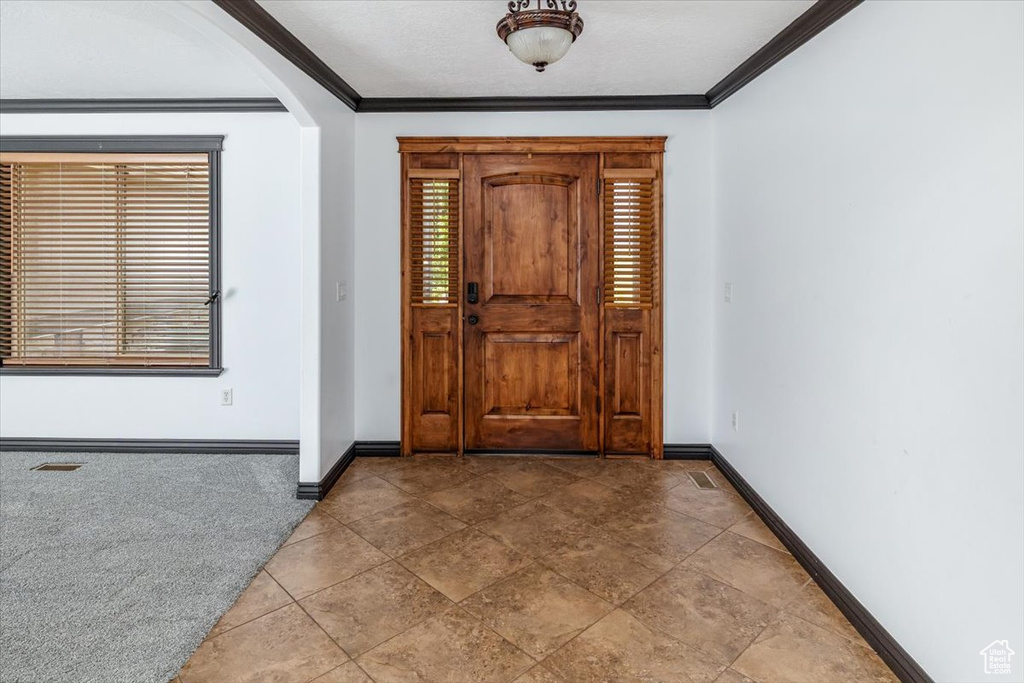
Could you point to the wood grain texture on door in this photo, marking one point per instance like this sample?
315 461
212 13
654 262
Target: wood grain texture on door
558 347
531 341
631 278
431 373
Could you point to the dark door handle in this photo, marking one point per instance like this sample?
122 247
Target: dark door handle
473 293
472 320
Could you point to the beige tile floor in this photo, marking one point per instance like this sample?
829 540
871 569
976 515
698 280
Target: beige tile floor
558 570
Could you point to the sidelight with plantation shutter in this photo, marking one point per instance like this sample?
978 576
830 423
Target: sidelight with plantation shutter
630 261
432 293
632 302
106 260
434 241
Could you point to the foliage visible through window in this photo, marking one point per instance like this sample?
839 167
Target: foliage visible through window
105 260
434 249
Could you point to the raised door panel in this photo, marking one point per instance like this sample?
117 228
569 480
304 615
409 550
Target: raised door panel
531 374
434 379
531 243
627 381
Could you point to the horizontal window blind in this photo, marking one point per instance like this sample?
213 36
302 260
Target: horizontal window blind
105 259
630 242
434 241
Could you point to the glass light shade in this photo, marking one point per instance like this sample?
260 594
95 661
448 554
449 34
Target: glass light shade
540 45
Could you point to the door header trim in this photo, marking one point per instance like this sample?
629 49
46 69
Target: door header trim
530 145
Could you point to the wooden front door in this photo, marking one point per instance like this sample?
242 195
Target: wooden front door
531 295
531 338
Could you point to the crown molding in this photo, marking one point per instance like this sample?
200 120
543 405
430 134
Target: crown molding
154 105
250 14
816 19
584 103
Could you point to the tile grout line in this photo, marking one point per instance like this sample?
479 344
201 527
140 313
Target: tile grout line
390 558
329 637
259 616
227 631
468 525
621 605
360 573
370 514
614 606
532 561
406 630
537 560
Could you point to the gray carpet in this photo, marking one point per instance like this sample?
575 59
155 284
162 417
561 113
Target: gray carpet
116 571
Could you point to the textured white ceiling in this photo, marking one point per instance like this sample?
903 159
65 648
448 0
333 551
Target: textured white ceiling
449 48
112 49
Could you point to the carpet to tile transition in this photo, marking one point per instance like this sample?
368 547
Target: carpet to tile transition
115 571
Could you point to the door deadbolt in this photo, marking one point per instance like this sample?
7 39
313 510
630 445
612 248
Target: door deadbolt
472 320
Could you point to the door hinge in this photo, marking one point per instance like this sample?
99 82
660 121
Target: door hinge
597 188
598 404
598 295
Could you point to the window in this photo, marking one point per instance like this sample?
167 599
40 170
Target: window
434 246
630 241
108 255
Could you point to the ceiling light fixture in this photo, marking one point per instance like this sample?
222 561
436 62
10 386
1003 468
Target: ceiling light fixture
541 36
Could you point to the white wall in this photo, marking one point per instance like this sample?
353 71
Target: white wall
688 202
337 265
869 212
326 211
260 235
113 49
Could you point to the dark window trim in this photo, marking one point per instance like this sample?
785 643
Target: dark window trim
154 144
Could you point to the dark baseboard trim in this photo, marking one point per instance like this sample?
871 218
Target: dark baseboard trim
127 106
258 20
816 19
378 449
608 103
898 659
687 451
317 490
36 445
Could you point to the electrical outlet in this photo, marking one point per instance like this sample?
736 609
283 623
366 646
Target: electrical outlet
340 290
227 396
728 292
736 421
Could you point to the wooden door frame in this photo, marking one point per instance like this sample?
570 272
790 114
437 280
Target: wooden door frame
442 157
